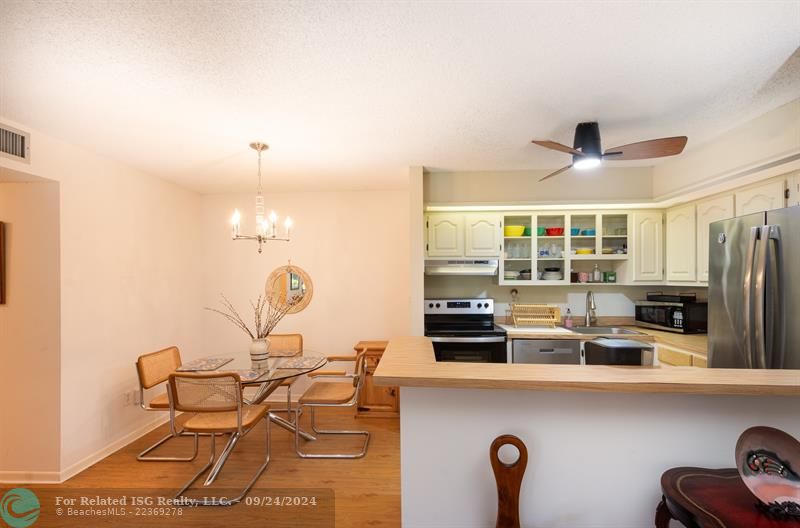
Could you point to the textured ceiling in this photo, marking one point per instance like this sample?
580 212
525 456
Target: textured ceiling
349 94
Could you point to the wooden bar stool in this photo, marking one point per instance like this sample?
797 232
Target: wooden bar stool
711 498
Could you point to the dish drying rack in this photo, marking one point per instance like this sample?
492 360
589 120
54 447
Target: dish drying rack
535 315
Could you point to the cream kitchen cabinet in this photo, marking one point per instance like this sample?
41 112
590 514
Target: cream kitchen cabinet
763 197
681 244
463 235
794 190
709 211
648 246
445 235
483 235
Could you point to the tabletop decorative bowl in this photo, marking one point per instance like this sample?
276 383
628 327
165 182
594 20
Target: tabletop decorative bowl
768 461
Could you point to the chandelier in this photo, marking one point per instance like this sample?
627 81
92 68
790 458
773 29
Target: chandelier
266 227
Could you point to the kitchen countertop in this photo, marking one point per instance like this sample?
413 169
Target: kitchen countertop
410 362
695 344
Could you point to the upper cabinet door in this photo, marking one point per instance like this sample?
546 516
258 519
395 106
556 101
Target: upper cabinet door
708 212
648 244
794 190
483 235
681 244
445 235
761 198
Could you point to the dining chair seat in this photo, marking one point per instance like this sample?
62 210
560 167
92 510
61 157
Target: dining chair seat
325 394
160 402
328 392
225 421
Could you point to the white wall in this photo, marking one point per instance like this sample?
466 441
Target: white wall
30 333
594 460
130 284
355 246
771 136
615 184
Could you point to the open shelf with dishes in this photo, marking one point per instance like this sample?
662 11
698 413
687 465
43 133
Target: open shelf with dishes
549 247
518 248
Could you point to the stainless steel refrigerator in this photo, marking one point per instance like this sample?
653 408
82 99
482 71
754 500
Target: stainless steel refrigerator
754 291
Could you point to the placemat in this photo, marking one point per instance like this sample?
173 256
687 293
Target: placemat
204 364
302 363
250 375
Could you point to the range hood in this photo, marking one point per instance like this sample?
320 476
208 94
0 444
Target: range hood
461 267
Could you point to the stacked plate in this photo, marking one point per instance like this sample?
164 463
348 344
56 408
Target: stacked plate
511 275
552 275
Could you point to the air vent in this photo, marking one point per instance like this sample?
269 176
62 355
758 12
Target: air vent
14 144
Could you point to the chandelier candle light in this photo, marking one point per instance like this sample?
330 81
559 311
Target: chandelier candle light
266 228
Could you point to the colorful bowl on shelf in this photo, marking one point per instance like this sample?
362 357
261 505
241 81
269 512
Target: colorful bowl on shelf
589 232
584 251
513 230
554 231
540 231
575 231
527 231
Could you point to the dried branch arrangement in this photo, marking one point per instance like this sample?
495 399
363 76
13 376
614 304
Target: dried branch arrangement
265 316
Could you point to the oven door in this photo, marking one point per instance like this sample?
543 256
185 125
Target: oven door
482 349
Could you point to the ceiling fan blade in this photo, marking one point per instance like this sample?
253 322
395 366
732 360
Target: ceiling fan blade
556 173
654 148
552 145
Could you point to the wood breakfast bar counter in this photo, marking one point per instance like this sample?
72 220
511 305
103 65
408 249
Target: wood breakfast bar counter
410 362
598 437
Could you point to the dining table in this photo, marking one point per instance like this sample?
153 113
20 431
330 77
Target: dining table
265 377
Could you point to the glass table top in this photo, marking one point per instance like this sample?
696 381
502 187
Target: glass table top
273 369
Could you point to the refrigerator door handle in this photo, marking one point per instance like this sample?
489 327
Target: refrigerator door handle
775 320
759 335
747 305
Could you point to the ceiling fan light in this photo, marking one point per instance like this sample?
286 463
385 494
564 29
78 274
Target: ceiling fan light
587 163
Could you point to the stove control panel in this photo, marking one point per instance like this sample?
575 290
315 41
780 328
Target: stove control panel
459 306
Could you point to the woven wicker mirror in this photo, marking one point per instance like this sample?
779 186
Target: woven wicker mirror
289 286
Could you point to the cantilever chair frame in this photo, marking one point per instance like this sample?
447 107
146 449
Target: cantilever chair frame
287 383
357 378
173 433
177 405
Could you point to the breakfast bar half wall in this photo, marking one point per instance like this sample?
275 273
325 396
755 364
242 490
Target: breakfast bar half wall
598 437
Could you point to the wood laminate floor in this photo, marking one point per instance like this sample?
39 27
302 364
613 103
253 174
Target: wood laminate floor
352 493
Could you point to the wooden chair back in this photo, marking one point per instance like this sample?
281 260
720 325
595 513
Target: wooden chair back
285 344
154 368
205 391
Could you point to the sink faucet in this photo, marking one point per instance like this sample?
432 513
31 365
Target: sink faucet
591 316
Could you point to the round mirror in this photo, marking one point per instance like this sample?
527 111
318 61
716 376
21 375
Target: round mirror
289 288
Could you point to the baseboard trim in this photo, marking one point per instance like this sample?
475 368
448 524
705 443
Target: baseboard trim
99 455
30 477
57 477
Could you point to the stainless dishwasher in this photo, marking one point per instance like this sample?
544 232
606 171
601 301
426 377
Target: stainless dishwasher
552 351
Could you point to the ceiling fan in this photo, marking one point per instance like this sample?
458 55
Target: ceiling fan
587 154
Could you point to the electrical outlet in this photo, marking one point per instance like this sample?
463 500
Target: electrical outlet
126 398
135 397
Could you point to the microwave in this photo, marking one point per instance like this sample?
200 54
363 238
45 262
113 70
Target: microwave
681 317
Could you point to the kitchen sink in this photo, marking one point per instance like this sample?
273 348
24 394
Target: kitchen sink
598 330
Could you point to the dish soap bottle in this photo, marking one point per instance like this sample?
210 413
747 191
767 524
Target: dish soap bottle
597 274
568 320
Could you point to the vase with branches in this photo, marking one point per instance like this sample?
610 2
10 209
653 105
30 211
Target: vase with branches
266 316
